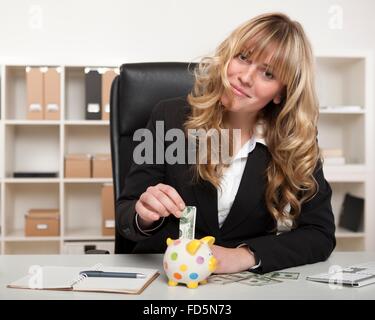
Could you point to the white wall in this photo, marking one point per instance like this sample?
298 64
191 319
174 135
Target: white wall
96 31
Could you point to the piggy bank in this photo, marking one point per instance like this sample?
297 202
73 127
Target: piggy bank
189 261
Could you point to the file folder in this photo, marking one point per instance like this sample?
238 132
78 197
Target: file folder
107 79
35 93
52 94
108 210
93 93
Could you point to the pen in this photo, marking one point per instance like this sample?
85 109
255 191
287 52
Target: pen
102 274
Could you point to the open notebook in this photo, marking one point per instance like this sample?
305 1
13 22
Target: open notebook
68 278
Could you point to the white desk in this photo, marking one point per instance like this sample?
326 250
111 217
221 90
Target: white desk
12 267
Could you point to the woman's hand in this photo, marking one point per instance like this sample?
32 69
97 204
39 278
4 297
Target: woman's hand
231 260
158 201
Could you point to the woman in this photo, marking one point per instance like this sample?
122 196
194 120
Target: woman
269 207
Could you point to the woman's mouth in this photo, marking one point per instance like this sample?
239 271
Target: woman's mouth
238 92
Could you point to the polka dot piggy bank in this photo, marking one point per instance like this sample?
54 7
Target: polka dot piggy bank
189 261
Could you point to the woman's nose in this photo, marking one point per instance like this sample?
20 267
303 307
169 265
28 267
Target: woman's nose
247 75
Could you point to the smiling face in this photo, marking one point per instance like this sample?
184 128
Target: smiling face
252 85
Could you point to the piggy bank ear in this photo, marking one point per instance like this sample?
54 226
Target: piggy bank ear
193 246
208 240
169 241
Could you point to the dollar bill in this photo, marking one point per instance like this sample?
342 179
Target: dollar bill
216 279
283 275
187 223
229 277
246 278
258 280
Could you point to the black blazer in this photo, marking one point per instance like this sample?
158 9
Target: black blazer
248 220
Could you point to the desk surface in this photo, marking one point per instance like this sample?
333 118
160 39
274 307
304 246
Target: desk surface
13 267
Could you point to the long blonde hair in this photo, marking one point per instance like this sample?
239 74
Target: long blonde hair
290 127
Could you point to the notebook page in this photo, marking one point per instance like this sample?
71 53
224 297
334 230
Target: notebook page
48 277
118 285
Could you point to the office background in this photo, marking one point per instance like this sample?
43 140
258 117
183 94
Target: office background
77 34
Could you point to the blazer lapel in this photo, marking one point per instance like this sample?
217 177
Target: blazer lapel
250 191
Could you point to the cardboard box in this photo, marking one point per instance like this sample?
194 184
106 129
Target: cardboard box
78 166
108 210
101 166
107 79
93 94
42 223
52 94
35 94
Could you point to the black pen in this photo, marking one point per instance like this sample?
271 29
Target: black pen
103 274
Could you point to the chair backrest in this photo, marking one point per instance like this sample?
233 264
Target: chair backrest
134 93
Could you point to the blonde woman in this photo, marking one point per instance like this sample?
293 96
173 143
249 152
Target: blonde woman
269 206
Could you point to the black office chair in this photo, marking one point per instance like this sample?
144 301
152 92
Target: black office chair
134 93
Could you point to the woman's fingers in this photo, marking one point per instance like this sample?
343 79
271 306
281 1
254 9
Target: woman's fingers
159 201
149 200
167 202
145 213
172 194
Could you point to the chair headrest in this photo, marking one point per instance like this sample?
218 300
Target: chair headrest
142 85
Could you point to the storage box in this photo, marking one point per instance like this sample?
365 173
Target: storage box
42 223
107 79
78 166
108 210
35 94
52 94
101 166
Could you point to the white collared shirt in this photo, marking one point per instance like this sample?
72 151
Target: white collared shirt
232 176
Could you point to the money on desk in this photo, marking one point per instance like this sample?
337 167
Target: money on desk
252 279
283 275
246 278
226 278
187 223
259 280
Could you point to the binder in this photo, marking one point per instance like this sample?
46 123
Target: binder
52 94
108 210
35 93
93 94
352 211
107 79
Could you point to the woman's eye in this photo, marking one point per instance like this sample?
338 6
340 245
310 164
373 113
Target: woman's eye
268 75
242 57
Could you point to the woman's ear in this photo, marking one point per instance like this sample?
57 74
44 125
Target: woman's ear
277 99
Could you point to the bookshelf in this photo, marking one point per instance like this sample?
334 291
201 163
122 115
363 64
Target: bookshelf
344 85
41 145
343 79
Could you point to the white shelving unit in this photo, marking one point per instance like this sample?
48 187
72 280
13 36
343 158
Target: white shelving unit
41 145
343 79
346 80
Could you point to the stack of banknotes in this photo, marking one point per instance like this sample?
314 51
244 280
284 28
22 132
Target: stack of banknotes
253 279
